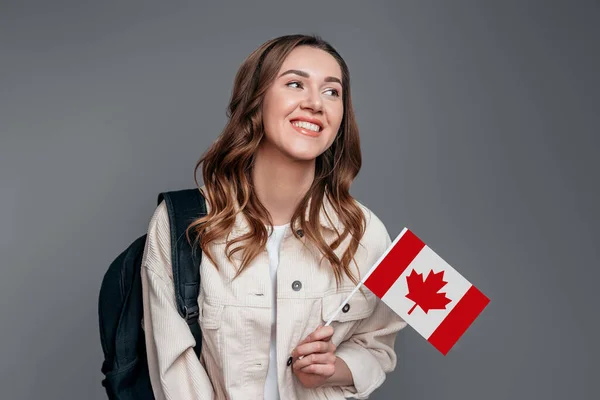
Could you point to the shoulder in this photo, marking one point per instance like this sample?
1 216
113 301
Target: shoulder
376 238
157 251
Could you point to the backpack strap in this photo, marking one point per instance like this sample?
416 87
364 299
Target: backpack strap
184 207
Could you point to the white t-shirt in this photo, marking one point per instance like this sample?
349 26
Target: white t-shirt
273 243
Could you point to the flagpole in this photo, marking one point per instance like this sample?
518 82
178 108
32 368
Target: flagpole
365 277
352 294
344 303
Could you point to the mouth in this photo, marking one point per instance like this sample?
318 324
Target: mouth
309 128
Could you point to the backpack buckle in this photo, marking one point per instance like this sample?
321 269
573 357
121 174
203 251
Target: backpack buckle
191 313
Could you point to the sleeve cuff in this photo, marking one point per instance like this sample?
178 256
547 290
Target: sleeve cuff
366 370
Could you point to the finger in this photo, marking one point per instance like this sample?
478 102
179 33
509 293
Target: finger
315 358
325 370
309 338
313 347
321 333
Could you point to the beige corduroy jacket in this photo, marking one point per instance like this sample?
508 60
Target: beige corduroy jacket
235 317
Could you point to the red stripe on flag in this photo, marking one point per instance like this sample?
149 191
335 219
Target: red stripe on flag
459 320
394 263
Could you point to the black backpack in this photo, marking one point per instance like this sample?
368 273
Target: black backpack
120 307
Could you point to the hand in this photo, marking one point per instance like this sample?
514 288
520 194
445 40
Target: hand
315 361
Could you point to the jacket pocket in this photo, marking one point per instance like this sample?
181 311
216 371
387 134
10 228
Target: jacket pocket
358 307
210 319
210 315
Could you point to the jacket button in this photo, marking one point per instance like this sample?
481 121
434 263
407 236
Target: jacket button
300 232
289 361
346 308
297 285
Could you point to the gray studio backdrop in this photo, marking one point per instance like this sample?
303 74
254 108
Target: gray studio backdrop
479 124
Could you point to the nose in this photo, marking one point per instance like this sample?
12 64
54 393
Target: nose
312 101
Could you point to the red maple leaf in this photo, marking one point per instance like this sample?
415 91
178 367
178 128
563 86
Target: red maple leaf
424 292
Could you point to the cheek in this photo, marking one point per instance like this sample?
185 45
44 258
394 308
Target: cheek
286 105
269 115
276 109
336 114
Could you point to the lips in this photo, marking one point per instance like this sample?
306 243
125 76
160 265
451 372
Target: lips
304 131
309 119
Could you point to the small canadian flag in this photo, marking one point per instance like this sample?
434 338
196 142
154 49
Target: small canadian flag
425 291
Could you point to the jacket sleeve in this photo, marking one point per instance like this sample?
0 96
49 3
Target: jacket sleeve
175 371
369 352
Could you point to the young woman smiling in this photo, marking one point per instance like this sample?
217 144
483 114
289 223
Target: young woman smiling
284 244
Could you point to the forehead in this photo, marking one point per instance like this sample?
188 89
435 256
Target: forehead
316 62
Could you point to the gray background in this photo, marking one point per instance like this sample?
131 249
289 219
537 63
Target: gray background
478 124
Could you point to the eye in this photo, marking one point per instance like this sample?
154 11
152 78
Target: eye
298 84
335 92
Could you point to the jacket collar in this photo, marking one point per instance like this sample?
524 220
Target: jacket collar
328 218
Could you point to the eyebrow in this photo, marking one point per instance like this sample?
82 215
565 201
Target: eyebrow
306 75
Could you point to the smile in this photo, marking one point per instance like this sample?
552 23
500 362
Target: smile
306 128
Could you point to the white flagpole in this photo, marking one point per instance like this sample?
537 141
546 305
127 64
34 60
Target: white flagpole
365 277
353 291
363 280
344 303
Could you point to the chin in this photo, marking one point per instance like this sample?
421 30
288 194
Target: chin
303 155
304 158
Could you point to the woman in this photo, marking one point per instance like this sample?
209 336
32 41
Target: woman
283 245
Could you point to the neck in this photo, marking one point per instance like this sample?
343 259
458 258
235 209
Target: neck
280 182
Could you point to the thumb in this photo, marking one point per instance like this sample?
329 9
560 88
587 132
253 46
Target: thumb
307 338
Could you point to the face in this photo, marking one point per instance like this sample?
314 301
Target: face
303 108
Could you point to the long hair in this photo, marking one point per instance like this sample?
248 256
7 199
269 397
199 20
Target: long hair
226 167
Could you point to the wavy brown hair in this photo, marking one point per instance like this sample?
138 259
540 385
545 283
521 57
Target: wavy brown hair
227 164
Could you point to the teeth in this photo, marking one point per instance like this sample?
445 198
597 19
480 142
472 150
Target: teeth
307 125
